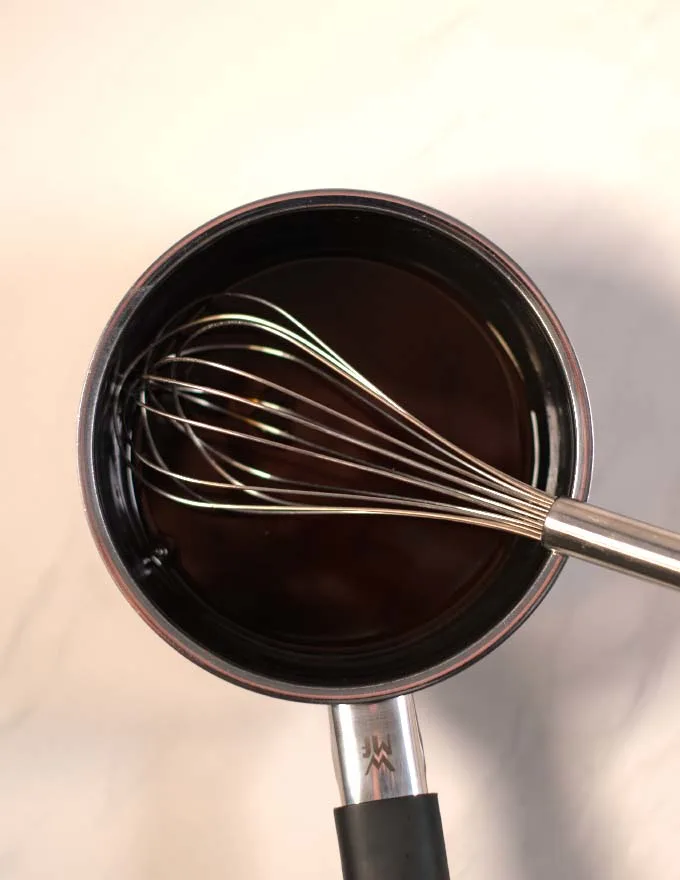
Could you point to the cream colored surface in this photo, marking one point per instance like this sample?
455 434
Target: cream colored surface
555 130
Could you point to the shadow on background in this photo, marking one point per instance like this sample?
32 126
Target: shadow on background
544 712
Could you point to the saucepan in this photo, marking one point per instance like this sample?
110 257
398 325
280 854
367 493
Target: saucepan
358 616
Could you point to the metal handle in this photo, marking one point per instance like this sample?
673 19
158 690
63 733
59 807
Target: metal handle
389 827
377 750
614 541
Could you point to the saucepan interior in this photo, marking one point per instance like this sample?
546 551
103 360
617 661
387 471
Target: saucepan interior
332 608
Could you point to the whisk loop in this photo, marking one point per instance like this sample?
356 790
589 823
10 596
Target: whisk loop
211 384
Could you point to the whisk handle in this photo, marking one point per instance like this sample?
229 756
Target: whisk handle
608 539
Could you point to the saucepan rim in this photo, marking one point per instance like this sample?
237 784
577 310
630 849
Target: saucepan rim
300 201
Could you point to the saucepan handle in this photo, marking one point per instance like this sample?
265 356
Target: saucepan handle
389 827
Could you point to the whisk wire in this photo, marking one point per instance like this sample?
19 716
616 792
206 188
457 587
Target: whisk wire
231 416
306 447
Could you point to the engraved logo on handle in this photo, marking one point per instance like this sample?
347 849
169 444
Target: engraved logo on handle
377 752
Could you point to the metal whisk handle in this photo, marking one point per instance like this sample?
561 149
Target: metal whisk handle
614 541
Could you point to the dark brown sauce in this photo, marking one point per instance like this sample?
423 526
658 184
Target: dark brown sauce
328 581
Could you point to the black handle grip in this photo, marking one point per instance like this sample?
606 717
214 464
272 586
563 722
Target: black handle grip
393 839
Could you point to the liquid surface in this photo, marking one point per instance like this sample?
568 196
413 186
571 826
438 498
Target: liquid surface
327 582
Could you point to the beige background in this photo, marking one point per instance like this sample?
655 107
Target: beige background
554 129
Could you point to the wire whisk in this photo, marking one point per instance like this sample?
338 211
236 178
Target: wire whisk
246 410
